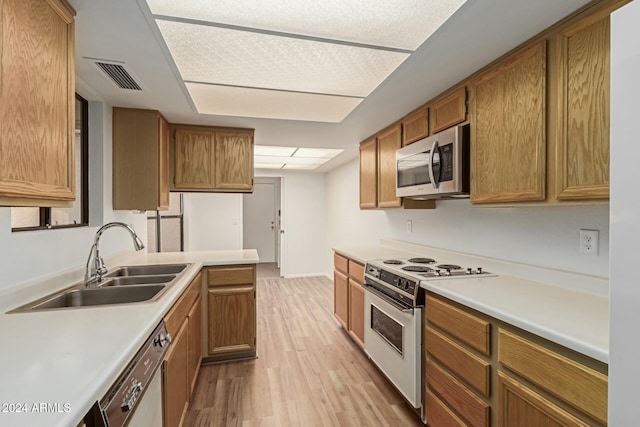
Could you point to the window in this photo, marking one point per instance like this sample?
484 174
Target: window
77 215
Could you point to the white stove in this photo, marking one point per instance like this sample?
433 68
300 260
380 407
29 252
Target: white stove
393 304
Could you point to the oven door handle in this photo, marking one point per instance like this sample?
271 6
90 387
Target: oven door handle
387 299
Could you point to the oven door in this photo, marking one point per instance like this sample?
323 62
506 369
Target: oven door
392 339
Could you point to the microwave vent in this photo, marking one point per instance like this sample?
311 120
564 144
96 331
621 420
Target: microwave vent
119 75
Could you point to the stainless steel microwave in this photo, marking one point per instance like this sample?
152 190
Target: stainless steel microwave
435 167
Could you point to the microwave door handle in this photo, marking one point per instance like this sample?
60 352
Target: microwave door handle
434 147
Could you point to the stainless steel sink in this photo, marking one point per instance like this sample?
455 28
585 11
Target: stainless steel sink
147 270
99 296
133 284
137 280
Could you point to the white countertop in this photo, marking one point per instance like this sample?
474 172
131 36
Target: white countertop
71 357
567 308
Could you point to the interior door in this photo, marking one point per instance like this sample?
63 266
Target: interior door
259 223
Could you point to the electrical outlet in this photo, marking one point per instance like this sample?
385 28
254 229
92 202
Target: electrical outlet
409 226
589 242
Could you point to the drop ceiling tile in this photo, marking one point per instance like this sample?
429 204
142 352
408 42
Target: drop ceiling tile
402 25
327 153
296 166
290 160
248 59
268 165
272 150
246 102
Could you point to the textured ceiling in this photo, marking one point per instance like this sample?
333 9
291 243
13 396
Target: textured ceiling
479 32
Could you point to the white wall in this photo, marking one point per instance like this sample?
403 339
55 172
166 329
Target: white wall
544 236
624 346
304 222
212 221
28 255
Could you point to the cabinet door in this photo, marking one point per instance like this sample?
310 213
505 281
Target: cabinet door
163 170
449 111
368 174
388 142
195 342
37 102
582 156
341 298
415 127
194 159
176 381
356 312
232 319
509 130
520 406
234 161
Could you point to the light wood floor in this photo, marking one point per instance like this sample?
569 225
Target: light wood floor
308 371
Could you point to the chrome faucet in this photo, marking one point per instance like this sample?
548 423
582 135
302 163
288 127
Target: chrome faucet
98 262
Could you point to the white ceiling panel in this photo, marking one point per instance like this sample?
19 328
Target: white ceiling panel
296 166
272 150
291 160
327 153
268 165
240 58
237 101
402 25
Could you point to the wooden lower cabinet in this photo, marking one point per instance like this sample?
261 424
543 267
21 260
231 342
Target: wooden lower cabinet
481 372
176 387
195 343
341 298
182 362
231 312
356 312
348 296
232 321
521 406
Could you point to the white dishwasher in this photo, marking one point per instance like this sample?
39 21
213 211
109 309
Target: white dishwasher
135 399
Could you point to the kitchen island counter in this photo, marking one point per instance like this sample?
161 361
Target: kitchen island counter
56 364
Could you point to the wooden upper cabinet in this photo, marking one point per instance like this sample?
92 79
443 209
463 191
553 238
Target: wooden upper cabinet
369 174
509 130
212 159
415 127
163 162
140 160
37 103
194 165
388 142
234 160
449 110
582 154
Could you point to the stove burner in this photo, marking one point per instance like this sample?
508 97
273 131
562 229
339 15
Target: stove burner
449 267
392 261
422 260
417 268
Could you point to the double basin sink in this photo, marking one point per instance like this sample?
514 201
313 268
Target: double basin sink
142 283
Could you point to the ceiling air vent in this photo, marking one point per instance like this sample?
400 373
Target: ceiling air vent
119 75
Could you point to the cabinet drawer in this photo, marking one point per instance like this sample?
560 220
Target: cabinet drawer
231 275
356 271
475 371
473 409
467 328
578 385
181 308
341 263
439 415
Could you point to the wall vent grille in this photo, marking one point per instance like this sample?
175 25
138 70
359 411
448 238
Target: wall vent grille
119 75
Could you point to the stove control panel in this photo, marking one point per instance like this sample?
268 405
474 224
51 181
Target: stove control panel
404 284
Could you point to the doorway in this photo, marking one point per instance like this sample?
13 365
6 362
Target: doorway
262 220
